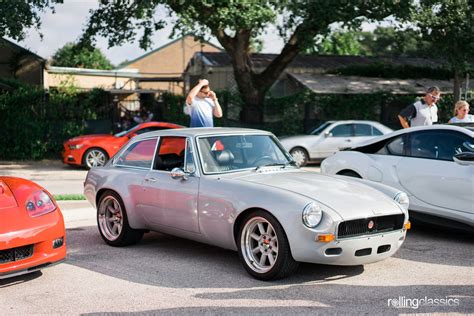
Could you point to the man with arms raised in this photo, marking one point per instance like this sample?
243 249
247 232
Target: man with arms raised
202 105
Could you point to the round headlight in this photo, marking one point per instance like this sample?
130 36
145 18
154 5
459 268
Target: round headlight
312 215
402 199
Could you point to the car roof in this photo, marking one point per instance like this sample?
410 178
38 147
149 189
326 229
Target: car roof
415 129
203 131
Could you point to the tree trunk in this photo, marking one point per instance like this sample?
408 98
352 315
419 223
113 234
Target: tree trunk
457 86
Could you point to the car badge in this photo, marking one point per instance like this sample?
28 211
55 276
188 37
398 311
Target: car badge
370 225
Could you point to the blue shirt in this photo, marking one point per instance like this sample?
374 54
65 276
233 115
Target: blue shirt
201 111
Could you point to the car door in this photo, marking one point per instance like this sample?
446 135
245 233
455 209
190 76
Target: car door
173 201
429 173
338 137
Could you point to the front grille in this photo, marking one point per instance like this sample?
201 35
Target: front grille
380 224
15 254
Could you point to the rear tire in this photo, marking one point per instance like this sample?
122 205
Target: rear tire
263 247
300 156
112 222
349 173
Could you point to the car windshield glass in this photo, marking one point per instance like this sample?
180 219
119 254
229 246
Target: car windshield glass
126 132
317 130
238 152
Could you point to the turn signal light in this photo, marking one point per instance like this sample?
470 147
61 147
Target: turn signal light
325 238
407 225
39 203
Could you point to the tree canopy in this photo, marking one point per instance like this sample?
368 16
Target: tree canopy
80 56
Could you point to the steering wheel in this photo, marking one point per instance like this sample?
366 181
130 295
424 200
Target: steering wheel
259 161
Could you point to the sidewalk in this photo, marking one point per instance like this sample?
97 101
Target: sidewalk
53 175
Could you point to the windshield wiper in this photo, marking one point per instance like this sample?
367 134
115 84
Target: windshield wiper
283 165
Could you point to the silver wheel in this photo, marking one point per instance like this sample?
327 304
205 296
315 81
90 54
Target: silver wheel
299 156
259 245
95 158
110 218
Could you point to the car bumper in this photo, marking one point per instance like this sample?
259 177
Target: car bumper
353 251
71 157
27 250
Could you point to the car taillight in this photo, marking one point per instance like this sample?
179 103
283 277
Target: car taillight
39 203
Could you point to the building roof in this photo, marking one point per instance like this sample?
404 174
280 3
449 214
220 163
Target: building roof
5 42
335 84
163 47
222 59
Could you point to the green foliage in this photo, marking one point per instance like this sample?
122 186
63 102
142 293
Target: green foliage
338 43
17 16
81 56
69 197
36 123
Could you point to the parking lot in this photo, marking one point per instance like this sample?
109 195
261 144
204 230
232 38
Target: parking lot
169 275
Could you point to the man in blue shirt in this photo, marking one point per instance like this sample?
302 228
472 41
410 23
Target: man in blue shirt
202 105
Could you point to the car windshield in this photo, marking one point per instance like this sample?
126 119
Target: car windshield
238 152
126 132
318 130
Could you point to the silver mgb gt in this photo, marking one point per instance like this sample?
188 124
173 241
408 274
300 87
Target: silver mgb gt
239 189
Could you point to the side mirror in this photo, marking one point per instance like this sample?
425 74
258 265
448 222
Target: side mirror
327 134
464 158
132 135
178 173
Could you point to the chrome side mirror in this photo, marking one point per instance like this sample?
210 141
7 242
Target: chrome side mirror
327 134
464 159
178 173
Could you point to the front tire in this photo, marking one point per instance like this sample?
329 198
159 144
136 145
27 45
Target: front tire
95 157
300 156
112 221
263 247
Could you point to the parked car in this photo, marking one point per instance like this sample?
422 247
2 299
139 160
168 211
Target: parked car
32 234
433 164
95 150
239 189
329 137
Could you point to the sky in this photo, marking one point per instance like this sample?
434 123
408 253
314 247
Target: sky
70 18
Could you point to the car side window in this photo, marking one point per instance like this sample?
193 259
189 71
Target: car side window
376 131
139 154
440 145
396 147
170 153
342 130
363 130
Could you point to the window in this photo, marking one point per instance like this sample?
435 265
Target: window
396 147
139 154
362 130
343 130
376 131
170 154
441 145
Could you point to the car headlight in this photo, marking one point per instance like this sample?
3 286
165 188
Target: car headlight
76 146
402 199
312 215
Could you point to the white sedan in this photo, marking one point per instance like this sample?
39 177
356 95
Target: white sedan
433 164
329 137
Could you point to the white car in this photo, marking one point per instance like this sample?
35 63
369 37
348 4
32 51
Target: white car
330 137
433 164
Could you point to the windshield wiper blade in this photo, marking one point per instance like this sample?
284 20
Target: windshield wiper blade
282 164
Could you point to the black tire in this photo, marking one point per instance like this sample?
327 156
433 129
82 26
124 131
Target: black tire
106 222
300 155
94 157
283 262
349 173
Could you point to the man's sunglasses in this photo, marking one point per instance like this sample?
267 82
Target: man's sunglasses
434 97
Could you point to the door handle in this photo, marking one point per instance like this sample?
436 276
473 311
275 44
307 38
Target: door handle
150 179
348 140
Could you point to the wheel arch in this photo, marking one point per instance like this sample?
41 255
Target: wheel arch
347 170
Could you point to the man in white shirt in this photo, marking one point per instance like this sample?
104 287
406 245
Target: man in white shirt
202 105
422 112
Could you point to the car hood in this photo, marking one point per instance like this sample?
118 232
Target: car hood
350 200
91 137
298 137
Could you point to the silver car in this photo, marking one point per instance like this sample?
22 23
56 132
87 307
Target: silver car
239 189
330 137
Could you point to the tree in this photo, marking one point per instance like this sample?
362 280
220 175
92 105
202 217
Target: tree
340 42
449 25
16 16
81 56
235 24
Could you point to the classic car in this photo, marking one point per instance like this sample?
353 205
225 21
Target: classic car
434 165
96 149
330 137
32 233
239 189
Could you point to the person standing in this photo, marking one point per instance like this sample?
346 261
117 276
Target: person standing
461 113
422 112
202 105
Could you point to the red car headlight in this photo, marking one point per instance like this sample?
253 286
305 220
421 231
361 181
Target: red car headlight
75 146
39 203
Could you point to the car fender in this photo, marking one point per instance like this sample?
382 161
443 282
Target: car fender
351 160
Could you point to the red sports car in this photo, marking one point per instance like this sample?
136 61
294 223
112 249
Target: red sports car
95 150
32 233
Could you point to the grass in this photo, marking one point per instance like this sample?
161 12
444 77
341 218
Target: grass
69 197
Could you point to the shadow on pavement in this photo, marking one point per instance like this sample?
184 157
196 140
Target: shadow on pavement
20 279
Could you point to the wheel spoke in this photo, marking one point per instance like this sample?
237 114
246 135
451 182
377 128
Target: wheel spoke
255 250
255 236
271 259
261 228
269 230
263 259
